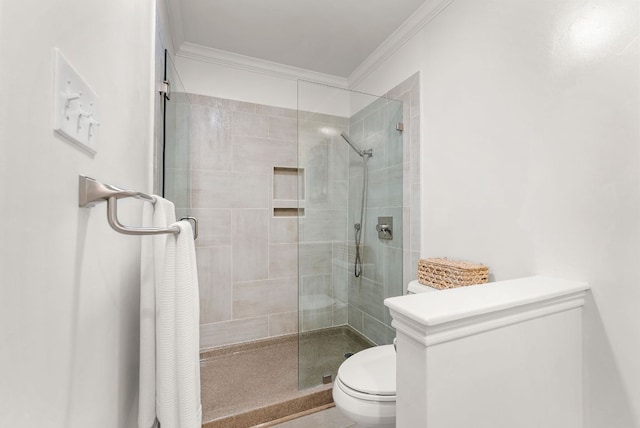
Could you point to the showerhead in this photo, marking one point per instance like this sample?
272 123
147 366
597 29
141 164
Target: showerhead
362 153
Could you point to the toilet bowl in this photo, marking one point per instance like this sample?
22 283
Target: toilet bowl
365 388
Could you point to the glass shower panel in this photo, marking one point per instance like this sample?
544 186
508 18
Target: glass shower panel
177 156
351 157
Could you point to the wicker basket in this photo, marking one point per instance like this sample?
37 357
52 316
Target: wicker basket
443 273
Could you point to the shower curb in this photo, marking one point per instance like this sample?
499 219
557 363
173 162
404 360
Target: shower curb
267 415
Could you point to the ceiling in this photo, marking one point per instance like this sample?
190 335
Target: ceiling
327 36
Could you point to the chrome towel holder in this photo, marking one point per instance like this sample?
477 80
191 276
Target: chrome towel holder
91 191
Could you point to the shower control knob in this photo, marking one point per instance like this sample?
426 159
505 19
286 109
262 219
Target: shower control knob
382 228
385 227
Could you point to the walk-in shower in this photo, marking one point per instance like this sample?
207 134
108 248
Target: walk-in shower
357 227
286 287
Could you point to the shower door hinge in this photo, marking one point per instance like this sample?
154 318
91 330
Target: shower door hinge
165 89
399 126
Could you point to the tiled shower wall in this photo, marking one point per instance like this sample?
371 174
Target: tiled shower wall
408 92
374 128
393 190
247 256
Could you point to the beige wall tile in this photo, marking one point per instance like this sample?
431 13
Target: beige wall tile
209 136
214 278
283 129
339 195
283 230
340 315
250 235
367 296
258 298
214 227
276 111
315 258
316 169
235 331
415 150
317 285
284 323
354 317
340 280
394 183
409 272
392 271
325 225
222 103
414 244
406 185
260 155
216 189
283 260
249 125
339 152
176 187
314 319
377 189
376 331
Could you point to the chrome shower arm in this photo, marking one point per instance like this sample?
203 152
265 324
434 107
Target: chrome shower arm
349 142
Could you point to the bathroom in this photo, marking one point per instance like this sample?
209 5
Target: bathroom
528 157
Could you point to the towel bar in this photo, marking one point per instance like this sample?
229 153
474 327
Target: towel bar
91 191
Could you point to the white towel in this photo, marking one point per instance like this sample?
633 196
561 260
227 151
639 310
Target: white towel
160 214
177 335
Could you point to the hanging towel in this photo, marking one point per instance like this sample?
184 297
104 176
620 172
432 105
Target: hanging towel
177 335
160 214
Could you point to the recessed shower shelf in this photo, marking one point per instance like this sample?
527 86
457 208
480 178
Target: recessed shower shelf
288 212
288 192
288 203
288 208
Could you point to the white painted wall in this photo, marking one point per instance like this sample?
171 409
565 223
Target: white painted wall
69 285
163 26
531 161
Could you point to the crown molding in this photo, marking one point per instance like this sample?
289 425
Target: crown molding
256 65
409 28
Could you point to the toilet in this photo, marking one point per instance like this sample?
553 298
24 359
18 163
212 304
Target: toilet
365 388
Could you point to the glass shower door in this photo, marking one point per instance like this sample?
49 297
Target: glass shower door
176 159
350 156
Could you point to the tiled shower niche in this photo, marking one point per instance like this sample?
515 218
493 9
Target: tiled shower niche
288 192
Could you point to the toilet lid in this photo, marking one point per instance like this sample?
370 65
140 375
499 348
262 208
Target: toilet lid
372 371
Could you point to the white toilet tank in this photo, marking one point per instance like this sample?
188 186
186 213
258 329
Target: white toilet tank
415 287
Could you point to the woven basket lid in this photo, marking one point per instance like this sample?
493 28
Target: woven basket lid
455 263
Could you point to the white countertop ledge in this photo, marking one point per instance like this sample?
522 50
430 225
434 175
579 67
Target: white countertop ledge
444 306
